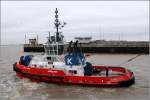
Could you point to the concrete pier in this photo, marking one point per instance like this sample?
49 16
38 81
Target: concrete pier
127 47
102 46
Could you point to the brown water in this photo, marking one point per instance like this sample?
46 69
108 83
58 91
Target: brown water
14 88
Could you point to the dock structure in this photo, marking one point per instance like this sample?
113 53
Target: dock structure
33 46
127 47
101 46
83 39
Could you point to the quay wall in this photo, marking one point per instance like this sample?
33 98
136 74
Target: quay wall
102 47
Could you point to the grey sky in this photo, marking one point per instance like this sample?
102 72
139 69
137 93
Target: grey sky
99 19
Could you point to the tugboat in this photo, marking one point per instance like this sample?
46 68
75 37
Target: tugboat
73 68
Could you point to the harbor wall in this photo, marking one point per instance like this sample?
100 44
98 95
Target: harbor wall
125 50
125 47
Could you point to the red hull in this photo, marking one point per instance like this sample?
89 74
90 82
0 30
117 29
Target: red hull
58 76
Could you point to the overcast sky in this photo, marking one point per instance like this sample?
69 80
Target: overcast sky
110 20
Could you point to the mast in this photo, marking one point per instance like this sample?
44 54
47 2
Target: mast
55 42
57 24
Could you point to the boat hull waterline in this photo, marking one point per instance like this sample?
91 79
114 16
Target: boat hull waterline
51 75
